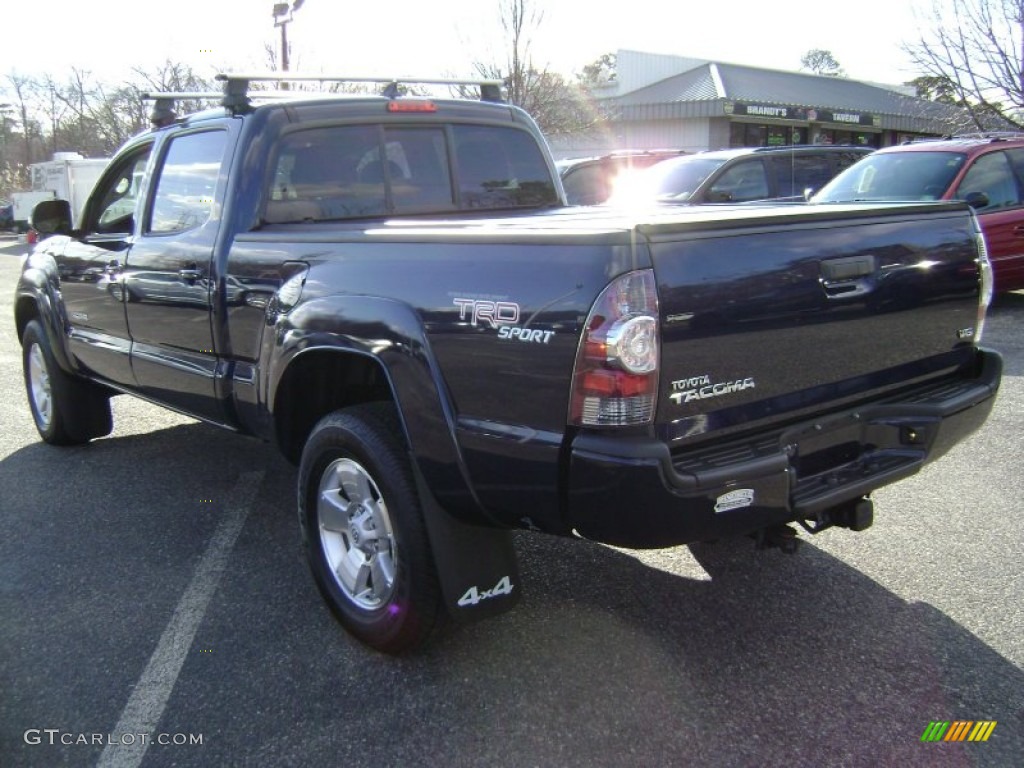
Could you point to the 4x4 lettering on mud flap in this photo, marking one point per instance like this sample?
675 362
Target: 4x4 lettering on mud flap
474 595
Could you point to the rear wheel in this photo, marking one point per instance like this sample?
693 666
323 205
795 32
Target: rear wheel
66 410
363 529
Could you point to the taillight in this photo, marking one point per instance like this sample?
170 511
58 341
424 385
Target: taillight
412 105
615 382
985 273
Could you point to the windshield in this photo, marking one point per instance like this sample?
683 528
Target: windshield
669 180
895 176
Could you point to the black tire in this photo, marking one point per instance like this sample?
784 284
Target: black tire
66 410
363 529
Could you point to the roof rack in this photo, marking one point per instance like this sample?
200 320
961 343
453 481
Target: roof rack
972 136
236 96
996 135
236 84
164 103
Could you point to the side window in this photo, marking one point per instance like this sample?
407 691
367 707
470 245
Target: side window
744 181
811 171
586 185
500 168
187 182
991 175
118 192
1016 158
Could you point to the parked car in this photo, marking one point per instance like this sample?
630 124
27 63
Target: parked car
592 180
986 172
6 215
740 175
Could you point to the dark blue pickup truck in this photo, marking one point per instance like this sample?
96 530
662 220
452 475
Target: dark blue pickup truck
393 290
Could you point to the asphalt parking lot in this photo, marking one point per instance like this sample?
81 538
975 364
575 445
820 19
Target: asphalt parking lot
152 585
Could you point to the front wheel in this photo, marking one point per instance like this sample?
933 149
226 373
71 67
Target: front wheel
66 410
363 529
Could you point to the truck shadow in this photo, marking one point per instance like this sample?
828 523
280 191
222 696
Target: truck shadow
774 660
749 658
1003 330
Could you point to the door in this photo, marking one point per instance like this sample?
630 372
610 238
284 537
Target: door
91 272
1002 215
168 277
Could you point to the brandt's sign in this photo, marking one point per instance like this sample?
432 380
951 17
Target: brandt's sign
778 112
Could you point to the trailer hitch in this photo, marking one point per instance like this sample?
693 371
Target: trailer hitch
781 536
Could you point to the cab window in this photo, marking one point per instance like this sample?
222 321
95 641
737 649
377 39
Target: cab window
118 193
355 171
187 182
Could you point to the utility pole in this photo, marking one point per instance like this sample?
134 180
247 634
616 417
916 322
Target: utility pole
283 13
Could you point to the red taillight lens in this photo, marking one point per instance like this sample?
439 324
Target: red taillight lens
615 382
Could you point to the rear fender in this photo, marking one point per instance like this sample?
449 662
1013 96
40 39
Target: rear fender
473 557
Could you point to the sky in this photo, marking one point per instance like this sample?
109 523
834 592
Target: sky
444 37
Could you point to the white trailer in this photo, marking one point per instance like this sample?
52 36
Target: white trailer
69 176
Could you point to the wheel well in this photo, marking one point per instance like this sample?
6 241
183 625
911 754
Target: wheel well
318 383
25 311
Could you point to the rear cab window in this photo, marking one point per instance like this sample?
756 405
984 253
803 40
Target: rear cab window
356 171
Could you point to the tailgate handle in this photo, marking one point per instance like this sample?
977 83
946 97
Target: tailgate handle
845 278
848 268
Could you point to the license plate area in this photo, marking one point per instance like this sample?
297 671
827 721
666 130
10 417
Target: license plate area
826 447
847 456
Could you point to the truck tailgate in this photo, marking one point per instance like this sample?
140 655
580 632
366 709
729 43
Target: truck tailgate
763 321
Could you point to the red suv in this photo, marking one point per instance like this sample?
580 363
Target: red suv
987 172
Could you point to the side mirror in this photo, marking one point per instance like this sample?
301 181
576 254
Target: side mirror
52 217
976 200
809 193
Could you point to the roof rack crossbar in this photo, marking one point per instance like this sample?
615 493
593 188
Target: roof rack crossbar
236 96
490 90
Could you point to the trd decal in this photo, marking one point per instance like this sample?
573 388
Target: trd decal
502 315
493 313
528 335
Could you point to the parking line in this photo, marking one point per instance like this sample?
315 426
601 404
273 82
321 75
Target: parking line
146 705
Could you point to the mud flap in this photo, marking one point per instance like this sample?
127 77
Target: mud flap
477 566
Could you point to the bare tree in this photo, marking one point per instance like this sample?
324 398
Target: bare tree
24 87
974 51
821 62
559 107
172 76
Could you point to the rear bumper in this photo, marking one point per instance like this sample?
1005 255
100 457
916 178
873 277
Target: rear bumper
635 493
